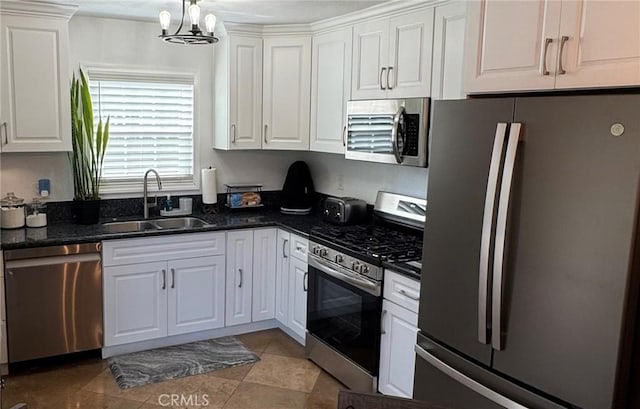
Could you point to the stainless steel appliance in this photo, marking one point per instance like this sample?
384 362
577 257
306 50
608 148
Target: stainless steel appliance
388 131
54 300
344 299
344 210
529 248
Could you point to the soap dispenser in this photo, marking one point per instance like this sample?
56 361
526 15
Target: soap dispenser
168 204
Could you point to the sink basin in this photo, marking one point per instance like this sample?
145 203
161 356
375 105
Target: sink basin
180 223
128 227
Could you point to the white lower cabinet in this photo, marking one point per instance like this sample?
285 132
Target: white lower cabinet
251 276
292 283
239 276
196 294
264 274
399 333
135 302
152 300
283 261
298 284
181 292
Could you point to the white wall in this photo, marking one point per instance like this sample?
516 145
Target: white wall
135 44
334 175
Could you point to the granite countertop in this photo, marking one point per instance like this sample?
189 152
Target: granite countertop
56 234
70 233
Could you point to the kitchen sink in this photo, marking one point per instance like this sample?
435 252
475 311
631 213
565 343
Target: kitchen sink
158 224
180 223
128 227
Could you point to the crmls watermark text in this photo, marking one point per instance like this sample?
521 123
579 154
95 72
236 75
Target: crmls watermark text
177 399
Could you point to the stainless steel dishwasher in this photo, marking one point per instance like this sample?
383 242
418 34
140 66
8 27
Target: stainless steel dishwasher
54 300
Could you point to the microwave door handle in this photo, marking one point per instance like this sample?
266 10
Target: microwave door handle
395 134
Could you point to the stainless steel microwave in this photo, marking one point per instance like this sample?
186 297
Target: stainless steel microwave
388 131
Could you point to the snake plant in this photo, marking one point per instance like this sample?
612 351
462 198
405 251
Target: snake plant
89 142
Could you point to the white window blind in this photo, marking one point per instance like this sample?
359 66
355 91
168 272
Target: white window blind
151 126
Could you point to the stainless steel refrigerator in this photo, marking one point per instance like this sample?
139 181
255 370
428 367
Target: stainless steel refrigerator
528 288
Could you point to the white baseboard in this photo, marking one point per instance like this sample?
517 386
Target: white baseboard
193 337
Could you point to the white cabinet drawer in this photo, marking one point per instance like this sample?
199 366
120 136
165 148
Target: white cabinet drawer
402 290
299 247
171 247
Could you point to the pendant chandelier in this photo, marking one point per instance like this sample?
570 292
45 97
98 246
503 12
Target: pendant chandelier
193 36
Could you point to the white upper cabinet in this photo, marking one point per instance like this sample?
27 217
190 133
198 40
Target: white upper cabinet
603 44
558 44
238 100
392 56
35 114
448 51
286 93
330 89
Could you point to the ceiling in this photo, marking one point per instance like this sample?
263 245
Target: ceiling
239 11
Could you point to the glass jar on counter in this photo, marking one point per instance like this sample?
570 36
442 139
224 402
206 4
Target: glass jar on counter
11 212
37 213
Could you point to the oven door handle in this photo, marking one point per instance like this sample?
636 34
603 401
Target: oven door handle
362 284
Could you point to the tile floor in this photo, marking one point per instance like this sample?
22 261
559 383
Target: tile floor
282 378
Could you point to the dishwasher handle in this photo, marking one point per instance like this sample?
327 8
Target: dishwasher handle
52 251
50 261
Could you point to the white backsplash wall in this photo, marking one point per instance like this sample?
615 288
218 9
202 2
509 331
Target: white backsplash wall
334 175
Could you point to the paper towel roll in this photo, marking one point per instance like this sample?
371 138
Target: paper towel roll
209 187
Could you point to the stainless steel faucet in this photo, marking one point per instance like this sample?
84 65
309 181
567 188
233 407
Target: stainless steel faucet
155 198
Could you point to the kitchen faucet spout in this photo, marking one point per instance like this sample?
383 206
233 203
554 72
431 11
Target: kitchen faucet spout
146 204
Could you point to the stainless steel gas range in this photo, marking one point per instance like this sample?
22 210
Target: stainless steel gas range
344 300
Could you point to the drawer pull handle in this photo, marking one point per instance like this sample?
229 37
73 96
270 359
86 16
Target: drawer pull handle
305 281
284 246
173 278
164 279
240 285
406 294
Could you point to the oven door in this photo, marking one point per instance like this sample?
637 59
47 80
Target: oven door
343 310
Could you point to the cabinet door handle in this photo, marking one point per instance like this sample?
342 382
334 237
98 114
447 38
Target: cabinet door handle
265 134
344 135
305 281
164 279
173 278
382 70
382 331
388 74
547 42
406 294
5 134
284 246
240 271
563 41
233 130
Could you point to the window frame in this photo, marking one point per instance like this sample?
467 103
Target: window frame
133 187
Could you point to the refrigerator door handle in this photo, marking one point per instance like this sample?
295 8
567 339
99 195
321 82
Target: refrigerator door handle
501 235
467 381
487 225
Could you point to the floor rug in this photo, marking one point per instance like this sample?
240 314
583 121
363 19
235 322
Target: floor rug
157 365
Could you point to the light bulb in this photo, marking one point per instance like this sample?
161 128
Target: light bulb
165 19
210 22
194 14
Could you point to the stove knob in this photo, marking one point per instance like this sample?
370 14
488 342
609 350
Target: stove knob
324 252
355 266
326 212
339 258
364 270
